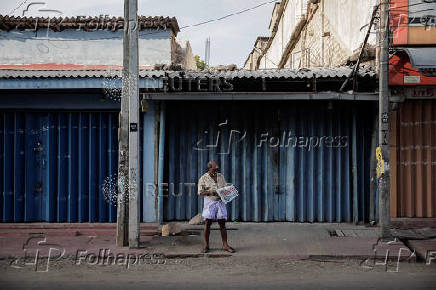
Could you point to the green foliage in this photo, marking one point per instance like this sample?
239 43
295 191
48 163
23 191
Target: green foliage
200 63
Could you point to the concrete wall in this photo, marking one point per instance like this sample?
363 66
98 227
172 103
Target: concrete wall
76 47
333 32
346 18
185 55
318 45
292 13
259 46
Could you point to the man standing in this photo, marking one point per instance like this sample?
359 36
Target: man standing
214 208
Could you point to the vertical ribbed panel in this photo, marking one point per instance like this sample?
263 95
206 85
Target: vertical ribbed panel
413 158
279 179
53 166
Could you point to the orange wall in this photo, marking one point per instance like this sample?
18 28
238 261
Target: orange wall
404 33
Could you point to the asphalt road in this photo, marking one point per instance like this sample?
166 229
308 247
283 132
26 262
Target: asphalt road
221 273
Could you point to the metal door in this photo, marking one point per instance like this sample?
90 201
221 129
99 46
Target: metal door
413 160
263 149
58 166
35 154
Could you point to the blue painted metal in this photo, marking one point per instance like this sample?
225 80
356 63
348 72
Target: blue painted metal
160 176
54 166
74 83
8 173
65 101
354 170
148 164
279 179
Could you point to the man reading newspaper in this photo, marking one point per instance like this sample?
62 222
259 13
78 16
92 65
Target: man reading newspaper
214 208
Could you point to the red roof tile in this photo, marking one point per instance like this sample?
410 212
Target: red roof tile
8 23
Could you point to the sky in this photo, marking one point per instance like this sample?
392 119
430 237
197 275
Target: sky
232 39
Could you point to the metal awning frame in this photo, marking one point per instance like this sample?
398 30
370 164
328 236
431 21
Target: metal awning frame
246 96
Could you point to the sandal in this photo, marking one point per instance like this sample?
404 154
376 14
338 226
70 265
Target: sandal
205 250
229 249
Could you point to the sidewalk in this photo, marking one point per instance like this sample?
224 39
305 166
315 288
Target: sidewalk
293 240
419 234
290 240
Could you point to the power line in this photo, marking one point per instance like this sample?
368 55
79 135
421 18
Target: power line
410 5
230 15
155 32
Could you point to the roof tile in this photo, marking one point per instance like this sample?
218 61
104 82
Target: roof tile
8 23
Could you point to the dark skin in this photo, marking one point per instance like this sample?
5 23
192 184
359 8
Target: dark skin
213 172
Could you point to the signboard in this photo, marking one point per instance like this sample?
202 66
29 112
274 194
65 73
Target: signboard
413 22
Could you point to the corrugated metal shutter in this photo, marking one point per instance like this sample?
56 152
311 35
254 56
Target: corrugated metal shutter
54 166
277 181
413 160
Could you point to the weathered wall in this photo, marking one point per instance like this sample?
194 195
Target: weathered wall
259 46
346 18
335 29
76 47
248 65
317 45
189 62
293 12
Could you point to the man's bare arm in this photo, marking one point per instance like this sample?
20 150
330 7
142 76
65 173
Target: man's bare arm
208 193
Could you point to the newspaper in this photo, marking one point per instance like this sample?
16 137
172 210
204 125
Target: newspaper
227 193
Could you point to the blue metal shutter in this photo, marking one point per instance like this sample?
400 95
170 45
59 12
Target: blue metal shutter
277 183
53 166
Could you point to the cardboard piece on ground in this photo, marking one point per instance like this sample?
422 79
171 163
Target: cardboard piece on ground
171 229
197 220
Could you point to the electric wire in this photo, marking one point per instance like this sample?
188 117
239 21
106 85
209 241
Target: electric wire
155 32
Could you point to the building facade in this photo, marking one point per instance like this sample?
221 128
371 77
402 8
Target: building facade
412 78
259 46
92 42
316 33
295 147
60 90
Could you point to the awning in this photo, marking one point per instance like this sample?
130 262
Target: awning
423 57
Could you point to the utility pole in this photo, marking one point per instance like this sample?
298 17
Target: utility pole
133 126
123 136
128 193
384 180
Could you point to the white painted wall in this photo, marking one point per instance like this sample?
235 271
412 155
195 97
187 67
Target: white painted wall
76 47
346 18
294 10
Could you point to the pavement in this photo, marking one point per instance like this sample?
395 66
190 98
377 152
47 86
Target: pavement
298 241
419 234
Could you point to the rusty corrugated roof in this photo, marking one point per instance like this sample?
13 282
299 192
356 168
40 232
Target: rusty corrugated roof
89 23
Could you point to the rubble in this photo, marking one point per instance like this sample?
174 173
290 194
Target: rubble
197 220
171 229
